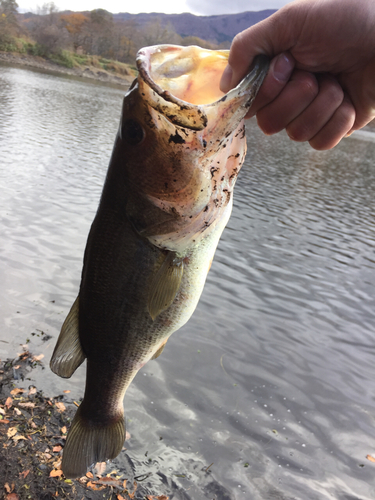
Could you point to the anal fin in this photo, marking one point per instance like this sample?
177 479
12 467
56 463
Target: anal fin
68 353
165 285
159 351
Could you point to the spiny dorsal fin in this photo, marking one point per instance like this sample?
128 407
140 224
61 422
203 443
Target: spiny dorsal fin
159 351
88 442
165 285
68 354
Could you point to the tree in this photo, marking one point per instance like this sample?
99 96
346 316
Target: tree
75 24
8 18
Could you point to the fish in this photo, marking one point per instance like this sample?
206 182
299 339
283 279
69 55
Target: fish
166 200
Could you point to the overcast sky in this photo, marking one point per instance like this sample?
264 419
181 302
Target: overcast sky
198 7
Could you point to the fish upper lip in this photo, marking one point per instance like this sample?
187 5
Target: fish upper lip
186 114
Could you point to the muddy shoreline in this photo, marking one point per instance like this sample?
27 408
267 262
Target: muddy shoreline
88 72
33 429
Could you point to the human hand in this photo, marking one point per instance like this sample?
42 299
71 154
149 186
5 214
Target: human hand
320 85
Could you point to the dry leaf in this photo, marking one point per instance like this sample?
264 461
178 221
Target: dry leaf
60 407
17 390
94 487
9 402
2 412
17 438
56 473
119 497
371 458
57 464
24 473
17 367
17 412
66 392
127 436
27 405
32 391
8 489
109 481
64 430
100 468
38 358
89 474
12 431
4 421
12 496
57 448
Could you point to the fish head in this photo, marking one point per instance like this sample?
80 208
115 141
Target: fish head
181 142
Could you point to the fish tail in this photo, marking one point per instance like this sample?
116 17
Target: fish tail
88 443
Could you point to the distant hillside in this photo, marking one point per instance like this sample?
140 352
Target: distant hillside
213 28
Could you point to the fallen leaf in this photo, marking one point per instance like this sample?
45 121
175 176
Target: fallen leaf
38 358
60 407
57 448
17 390
371 458
12 496
27 405
100 468
93 486
47 456
119 497
24 473
8 489
109 481
17 367
57 464
17 438
32 391
56 473
17 411
66 392
9 402
89 474
4 421
12 431
64 430
2 412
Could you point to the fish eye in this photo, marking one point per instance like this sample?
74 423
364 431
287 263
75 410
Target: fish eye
132 132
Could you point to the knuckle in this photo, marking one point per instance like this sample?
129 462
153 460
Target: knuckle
298 132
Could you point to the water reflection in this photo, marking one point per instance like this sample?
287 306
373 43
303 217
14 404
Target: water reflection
272 379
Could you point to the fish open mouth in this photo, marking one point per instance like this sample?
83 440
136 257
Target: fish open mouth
183 82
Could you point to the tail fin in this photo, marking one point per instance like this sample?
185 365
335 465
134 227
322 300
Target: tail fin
88 443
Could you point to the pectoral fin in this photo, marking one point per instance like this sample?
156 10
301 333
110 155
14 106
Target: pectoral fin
68 354
165 285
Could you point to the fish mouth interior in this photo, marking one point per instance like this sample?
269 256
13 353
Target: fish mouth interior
191 74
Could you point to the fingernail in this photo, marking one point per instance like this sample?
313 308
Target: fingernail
226 79
283 67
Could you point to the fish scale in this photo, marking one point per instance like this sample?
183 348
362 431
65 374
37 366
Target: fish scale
167 198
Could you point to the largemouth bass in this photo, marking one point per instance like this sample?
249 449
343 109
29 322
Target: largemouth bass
166 200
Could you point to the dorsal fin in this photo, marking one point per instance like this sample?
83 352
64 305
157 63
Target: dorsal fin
68 353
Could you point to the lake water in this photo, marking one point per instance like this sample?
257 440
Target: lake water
272 380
